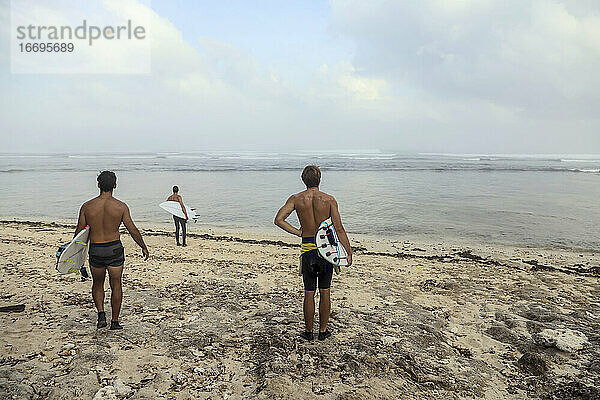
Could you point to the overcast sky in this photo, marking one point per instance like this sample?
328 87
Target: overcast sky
465 76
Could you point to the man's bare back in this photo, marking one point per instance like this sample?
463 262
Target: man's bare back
313 207
176 197
104 215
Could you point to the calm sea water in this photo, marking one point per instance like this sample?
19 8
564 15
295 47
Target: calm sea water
549 200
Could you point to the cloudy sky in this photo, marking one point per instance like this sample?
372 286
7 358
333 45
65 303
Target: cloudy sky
465 76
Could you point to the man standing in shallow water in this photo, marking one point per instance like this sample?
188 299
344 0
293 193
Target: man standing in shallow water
104 215
313 207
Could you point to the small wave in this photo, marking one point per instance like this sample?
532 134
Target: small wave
25 156
85 157
590 170
511 157
187 156
114 156
243 157
357 156
11 171
133 157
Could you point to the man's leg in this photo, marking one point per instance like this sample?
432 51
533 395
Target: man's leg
325 300
116 289
176 229
310 286
309 309
98 274
324 309
183 227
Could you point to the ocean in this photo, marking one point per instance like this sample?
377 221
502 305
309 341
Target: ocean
528 200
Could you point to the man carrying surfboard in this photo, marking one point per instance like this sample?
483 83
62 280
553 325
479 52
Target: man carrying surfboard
178 220
104 214
313 207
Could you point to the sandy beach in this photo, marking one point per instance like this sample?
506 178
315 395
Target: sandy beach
220 320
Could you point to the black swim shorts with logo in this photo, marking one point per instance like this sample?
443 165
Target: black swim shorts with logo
109 254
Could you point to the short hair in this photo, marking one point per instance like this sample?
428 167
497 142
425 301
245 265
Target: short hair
107 181
175 189
311 176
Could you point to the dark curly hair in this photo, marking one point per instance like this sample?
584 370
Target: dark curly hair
107 181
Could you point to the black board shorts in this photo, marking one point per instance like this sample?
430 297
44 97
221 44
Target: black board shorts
109 254
316 271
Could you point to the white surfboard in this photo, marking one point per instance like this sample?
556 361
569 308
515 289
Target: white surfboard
329 245
173 207
72 257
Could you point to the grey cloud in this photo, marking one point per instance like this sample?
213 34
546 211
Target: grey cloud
536 57
484 77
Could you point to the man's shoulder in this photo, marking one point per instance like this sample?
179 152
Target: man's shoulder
308 196
299 196
118 203
89 203
319 193
326 196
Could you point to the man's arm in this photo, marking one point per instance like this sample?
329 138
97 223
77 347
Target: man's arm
81 222
283 213
134 232
339 228
180 200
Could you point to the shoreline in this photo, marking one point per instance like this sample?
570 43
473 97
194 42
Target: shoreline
274 233
531 256
221 317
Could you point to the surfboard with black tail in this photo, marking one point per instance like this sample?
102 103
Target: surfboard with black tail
329 245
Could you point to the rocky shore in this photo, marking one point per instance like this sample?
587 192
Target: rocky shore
220 319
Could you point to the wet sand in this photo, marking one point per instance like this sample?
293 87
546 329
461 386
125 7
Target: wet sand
220 319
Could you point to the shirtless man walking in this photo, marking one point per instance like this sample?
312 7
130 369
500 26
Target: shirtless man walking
313 207
179 221
104 215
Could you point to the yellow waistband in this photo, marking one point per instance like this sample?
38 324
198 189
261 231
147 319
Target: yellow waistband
303 249
307 247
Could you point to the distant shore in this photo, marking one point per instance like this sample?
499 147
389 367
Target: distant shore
220 318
